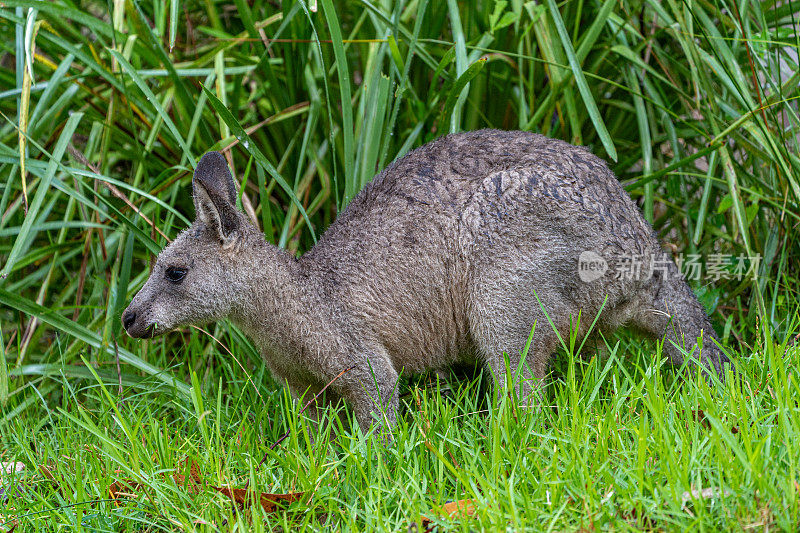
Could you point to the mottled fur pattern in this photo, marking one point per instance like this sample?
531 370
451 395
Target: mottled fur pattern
452 253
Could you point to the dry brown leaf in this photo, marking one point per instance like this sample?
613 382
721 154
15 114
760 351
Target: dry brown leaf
46 472
191 483
187 483
703 494
124 487
700 416
9 468
450 510
270 502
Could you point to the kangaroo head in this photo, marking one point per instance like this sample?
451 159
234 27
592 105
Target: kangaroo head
196 278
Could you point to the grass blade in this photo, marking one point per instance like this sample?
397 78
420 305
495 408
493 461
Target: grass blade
155 103
580 81
454 116
459 87
343 72
3 371
24 236
87 336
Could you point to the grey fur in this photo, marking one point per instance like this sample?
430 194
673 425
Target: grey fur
439 259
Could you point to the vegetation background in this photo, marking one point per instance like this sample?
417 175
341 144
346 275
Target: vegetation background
106 107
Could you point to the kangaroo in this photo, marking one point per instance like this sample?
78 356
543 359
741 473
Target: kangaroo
452 253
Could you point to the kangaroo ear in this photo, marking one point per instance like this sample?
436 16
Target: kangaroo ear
214 194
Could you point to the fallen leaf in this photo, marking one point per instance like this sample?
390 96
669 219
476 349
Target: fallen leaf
12 467
450 510
191 483
700 416
124 487
270 502
46 472
703 494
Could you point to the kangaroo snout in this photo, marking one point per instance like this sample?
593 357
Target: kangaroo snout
128 318
136 324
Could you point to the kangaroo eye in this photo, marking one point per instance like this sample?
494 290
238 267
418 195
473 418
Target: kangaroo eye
176 274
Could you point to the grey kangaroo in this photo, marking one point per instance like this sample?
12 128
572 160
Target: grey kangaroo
453 253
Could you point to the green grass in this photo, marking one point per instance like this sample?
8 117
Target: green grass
105 108
618 444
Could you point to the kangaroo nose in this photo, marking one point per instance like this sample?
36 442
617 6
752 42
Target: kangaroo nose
128 319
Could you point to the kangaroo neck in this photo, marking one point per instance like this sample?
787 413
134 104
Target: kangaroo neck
277 301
